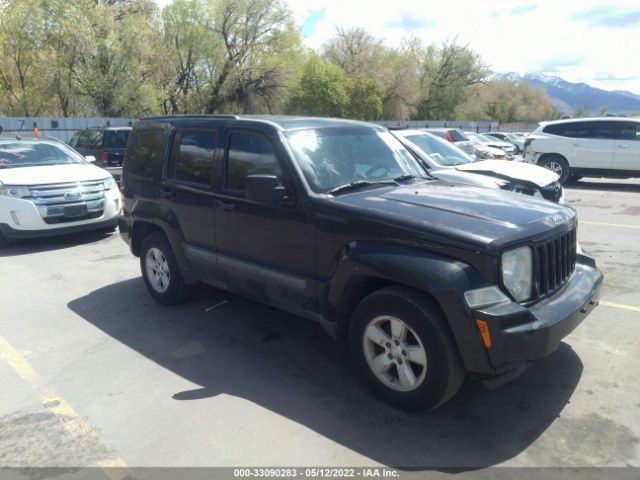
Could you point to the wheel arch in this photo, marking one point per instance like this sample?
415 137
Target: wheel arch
441 279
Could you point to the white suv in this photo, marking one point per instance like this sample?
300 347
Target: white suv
47 188
592 147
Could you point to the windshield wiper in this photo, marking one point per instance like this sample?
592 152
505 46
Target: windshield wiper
359 184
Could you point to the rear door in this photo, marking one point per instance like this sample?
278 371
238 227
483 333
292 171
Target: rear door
187 191
265 251
627 151
592 144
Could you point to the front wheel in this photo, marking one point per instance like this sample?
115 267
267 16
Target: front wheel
401 343
557 165
160 271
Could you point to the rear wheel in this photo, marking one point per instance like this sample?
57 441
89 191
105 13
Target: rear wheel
400 341
160 271
4 241
558 165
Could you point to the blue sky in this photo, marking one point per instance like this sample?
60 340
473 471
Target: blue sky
592 41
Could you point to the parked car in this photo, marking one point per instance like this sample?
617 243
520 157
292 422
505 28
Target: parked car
593 147
47 188
515 140
508 149
455 136
107 144
428 280
447 162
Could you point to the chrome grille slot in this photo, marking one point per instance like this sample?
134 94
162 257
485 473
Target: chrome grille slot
555 262
56 202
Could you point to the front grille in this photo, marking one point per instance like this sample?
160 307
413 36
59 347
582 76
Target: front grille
69 202
555 262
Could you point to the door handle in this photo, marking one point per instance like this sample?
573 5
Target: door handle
227 206
623 146
164 193
578 145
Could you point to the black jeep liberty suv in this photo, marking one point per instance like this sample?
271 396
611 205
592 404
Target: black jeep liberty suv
335 221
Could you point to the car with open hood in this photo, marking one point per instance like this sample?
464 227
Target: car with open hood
428 281
445 161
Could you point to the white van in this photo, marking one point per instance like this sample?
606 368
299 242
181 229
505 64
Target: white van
47 188
589 147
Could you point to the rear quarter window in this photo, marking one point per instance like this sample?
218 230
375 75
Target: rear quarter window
144 156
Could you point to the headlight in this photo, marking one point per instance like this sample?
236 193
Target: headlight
517 273
109 183
14 191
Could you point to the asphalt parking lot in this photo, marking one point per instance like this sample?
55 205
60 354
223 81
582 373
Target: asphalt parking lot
93 372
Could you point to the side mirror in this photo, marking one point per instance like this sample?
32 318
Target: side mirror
264 189
90 159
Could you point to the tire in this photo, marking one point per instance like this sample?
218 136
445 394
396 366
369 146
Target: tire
162 277
4 241
557 164
375 343
574 178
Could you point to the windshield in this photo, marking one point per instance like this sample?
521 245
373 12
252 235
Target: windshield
331 157
28 154
440 151
484 139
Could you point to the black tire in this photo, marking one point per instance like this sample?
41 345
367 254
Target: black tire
175 290
443 373
554 162
4 241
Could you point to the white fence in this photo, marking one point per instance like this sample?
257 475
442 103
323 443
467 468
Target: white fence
59 127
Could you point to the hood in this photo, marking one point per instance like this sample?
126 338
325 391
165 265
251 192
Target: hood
76 172
518 171
455 214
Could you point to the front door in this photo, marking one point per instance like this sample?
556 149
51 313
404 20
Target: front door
265 251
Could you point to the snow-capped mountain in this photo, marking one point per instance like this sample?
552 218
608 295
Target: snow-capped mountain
568 97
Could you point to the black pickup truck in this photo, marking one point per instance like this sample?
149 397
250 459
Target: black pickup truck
429 281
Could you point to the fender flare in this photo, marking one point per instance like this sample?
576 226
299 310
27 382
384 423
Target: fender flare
442 277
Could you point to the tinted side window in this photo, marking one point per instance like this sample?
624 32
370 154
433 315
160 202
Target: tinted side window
116 138
80 139
192 157
94 140
248 155
558 129
604 130
630 131
145 153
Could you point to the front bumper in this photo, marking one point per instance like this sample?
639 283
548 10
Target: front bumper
520 334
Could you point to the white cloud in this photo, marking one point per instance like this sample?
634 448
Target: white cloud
548 35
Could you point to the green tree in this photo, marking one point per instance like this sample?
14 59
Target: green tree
446 71
364 99
602 111
321 90
257 38
23 78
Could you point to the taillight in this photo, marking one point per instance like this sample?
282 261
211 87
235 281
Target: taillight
449 137
104 157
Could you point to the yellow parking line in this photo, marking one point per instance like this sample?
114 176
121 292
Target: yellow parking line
610 224
631 308
113 466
